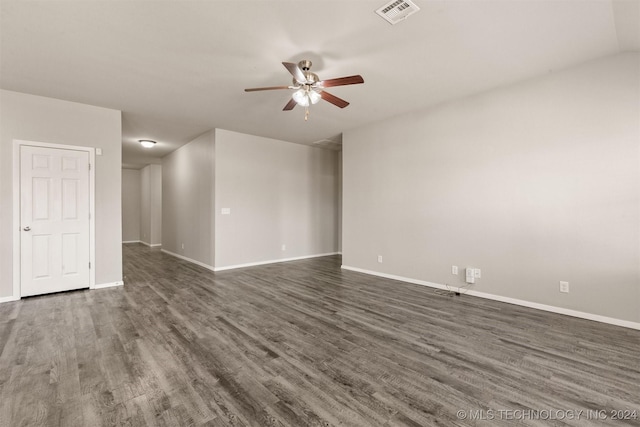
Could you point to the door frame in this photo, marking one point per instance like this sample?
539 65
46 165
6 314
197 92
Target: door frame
17 144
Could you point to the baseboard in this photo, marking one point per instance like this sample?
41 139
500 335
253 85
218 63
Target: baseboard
523 303
108 285
201 264
274 261
100 286
252 264
155 245
131 241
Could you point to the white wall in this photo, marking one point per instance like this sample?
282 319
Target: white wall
151 205
279 194
131 203
35 118
339 190
145 205
156 204
533 183
187 200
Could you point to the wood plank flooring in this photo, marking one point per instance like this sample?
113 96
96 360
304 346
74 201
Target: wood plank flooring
303 344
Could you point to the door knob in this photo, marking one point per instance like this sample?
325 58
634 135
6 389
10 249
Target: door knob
27 228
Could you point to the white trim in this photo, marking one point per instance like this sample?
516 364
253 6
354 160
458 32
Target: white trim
523 303
155 245
9 299
108 285
131 241
17 144
201 264
92 220
275 261
253 264
16 219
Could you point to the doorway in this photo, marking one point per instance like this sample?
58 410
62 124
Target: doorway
55 218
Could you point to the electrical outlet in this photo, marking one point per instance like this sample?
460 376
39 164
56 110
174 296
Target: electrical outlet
564 287
284 247
477 273
470 275
454 269
183 246
379 258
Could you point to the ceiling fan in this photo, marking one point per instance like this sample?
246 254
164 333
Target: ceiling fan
309 89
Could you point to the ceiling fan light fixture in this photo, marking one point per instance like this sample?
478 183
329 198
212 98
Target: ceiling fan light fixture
147 143
306 96
301 97
314 96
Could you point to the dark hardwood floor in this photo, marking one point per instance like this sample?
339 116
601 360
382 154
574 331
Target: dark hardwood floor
303 344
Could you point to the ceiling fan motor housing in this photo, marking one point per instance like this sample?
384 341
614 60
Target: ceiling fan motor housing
311 78
305 65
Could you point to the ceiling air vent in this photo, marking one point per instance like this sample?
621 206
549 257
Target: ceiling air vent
397 10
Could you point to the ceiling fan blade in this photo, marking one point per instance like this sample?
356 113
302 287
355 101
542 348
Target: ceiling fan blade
341 81
255 89
292 103
338 102
296 72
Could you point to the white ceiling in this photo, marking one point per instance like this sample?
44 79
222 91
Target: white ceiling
178 68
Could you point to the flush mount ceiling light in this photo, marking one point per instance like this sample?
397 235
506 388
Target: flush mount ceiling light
147 143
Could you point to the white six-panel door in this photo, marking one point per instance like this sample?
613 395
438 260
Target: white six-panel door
54 215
